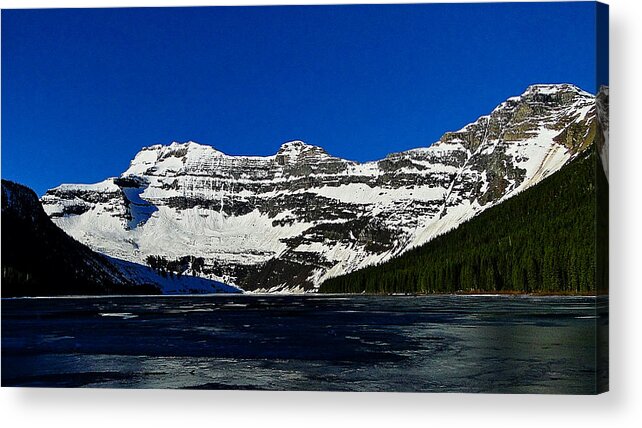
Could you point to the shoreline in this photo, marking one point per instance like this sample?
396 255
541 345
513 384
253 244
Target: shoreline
249 294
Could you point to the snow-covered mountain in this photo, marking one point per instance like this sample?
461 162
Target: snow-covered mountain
41 260
290 220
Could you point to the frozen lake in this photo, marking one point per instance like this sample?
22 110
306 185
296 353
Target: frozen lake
500 344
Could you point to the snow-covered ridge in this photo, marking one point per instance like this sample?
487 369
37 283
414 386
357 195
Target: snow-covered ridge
103 186
555 88
292 219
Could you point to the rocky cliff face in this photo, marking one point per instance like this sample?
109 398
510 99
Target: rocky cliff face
290 220
602 139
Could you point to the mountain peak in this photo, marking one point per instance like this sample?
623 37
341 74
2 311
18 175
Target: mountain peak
294 145
177 146
186 144
296 149
552 88
169 157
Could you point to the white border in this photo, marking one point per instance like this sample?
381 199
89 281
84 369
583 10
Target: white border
620 407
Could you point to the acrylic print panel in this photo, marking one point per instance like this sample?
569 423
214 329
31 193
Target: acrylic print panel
344 198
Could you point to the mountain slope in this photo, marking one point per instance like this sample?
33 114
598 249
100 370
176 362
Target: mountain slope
39 259
291 220
542 240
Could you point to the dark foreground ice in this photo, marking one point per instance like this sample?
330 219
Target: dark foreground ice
513 344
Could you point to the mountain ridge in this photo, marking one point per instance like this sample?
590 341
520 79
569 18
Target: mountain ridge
538 88
292 219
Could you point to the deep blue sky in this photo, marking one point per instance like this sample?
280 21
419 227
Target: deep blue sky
83 90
